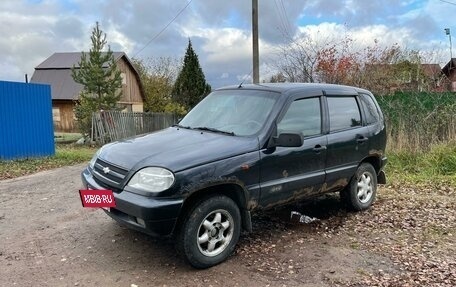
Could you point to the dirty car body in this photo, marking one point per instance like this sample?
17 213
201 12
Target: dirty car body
245 148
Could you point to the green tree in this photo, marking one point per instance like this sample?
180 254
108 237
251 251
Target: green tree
97 72
191 86
157 77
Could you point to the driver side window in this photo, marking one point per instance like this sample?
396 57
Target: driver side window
303 116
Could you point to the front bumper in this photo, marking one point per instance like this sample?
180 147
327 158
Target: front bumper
151 215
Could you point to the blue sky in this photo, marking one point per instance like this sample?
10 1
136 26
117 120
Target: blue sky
32 30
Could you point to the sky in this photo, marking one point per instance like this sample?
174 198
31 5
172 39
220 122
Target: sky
220 30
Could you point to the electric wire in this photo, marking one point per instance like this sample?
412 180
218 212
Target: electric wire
164 28
282 23
448 2
290 26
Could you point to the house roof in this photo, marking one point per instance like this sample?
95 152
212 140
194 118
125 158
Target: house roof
451 65
68 60
56 71
63 87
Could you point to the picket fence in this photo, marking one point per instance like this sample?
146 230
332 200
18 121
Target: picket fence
108 126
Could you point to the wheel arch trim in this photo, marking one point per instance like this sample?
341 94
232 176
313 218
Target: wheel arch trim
230 187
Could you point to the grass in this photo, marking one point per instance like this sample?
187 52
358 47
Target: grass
417 121
65 155
434 166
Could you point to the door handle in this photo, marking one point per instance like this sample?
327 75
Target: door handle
318 148
361 139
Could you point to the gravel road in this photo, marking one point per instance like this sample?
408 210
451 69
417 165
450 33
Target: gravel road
48 239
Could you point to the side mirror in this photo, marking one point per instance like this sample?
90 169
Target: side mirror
289 140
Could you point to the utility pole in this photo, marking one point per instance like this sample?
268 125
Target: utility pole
447 32
256 57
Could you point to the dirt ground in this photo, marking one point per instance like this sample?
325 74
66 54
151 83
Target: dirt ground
48 239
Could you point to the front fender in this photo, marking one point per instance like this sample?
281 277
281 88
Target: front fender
230 187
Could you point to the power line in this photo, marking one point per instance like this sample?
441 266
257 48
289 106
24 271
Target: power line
290 26
282 19
164 28
281 23
448 2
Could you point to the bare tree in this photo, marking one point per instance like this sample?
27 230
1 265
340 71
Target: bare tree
298 58
382 69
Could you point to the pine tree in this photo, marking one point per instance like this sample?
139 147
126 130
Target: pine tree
191 86
101 80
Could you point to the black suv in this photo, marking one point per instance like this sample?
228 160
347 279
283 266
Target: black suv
239 150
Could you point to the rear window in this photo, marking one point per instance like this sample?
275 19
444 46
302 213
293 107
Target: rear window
371 113
343 113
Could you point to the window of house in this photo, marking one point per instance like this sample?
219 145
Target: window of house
127 108
124 78
343 113
303 116
405 77
56 114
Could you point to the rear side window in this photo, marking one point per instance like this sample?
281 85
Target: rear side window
303 116
343 113
370 109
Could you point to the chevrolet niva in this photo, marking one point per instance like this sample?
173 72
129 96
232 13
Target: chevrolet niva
243 149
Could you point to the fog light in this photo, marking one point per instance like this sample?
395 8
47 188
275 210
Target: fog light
141 221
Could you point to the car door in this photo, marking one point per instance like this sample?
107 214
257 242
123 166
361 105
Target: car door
289 173
347 140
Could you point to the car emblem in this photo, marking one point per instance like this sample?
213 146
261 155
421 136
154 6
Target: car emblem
106 169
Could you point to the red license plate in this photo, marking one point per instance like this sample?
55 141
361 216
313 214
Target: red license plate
97 198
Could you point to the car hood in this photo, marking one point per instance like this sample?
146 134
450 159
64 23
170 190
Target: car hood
175 149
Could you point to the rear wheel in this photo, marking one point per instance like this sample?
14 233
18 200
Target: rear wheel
210 231
362 190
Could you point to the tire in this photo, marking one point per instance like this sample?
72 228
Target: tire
362 189
210 231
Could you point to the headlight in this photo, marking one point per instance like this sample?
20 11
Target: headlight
152 179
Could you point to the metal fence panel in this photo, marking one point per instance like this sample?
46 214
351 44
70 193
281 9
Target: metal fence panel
26 128
108 126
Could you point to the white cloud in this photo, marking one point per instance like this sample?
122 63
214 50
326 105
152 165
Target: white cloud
118 41
220 31
222 45
225 76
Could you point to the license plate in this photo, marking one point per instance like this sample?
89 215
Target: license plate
97 198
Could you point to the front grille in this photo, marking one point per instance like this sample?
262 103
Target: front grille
108 175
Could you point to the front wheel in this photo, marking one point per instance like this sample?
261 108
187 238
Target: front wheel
362 189
210 231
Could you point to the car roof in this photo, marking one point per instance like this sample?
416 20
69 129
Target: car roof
292 88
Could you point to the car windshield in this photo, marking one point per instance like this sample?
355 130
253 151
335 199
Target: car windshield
235 112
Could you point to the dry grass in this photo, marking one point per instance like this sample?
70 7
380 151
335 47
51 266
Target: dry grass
418 121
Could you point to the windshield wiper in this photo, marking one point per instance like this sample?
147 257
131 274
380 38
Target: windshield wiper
181 126
214 130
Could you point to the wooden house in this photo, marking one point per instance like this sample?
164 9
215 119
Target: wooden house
56 71
406 76
450 72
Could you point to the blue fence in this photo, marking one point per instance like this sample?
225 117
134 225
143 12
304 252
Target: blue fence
26 128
